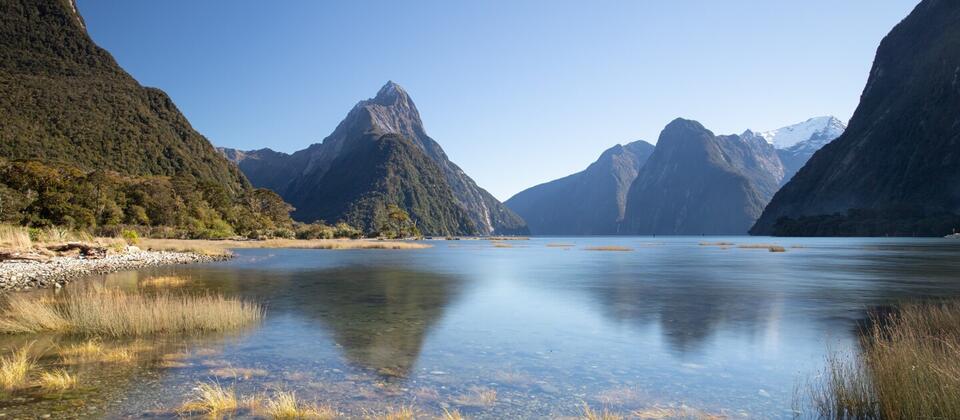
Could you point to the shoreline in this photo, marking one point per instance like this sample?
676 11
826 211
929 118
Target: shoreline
19 275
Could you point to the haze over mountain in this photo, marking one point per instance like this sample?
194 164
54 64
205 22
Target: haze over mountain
63 99
590 202
594 201
344 177
896 169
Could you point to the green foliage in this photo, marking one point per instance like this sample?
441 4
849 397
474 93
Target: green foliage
131 236
398 223
321 230
110 203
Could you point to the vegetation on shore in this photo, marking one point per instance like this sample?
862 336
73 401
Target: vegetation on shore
105 312
908 367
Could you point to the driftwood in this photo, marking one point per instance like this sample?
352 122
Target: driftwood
22 256
87 251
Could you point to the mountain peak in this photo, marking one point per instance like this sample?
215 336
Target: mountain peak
823 129
391 93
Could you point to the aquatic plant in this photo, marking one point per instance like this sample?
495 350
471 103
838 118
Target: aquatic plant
15 369
222 248
108 312
285 405
589 414
57 380
164 281
908 367
211 398
396 413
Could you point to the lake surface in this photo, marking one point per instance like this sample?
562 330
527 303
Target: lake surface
528 328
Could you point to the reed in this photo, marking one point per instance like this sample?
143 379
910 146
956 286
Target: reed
222 248
15 237
164 281
212 399
107 312
57 380
285 405
589 414
908 367
16 368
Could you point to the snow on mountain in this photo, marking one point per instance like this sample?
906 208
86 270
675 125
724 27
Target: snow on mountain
814 133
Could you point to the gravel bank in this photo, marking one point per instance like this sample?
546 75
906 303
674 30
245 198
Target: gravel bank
22 275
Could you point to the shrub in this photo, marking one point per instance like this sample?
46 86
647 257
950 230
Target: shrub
131 236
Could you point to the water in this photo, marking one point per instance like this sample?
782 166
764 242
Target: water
672 327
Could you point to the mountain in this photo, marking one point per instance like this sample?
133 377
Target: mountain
303 177
896 169
590 202
796 143
698 183
63 99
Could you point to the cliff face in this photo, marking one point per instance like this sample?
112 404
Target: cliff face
896 169
63 99
698 183
296 177
590 202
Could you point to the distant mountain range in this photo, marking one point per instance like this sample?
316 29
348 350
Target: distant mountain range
692 182
896 169
380 154
590 202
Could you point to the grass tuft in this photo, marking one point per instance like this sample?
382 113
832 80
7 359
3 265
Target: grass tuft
15 369
285 405
58 380
589 414
211 398
106 312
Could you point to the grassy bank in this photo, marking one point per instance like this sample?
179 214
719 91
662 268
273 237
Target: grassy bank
95 311
908 367
221 247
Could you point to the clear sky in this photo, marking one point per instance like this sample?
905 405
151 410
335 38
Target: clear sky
516 92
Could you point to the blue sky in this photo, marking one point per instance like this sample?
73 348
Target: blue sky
517 92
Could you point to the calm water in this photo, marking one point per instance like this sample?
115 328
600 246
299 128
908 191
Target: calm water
672 327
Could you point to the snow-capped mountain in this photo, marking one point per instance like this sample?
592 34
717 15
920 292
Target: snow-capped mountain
796 143
816 131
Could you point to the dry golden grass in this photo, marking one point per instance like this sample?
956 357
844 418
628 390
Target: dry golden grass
14 237
57 380
590 414
777 248
164 281
222 248
559 245
609 248
212 399
15 369
452 415
238 373
508 238
285 405
89 351
909 367
397 413
501 245
108 312
717 244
